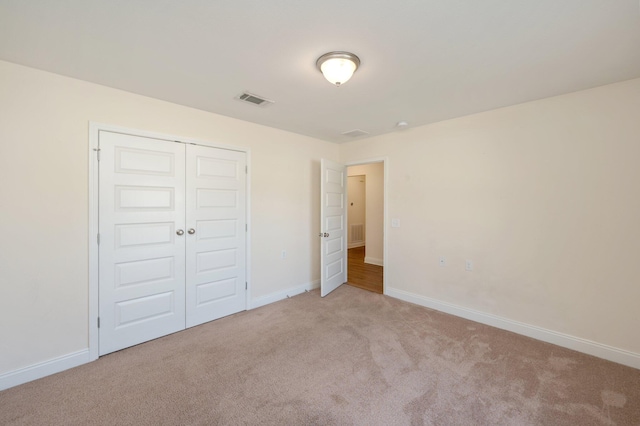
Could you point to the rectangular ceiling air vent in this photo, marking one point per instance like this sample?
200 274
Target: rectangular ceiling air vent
254 99
355 133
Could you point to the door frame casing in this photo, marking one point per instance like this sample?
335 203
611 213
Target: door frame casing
94 196
385 168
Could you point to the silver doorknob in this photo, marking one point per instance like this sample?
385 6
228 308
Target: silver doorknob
191 231
326 234
320 234
180 232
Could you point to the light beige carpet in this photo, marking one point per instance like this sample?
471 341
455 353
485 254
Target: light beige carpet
352 358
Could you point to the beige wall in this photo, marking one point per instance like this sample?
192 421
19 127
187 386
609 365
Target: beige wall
356 208
543 197
374 212
44 121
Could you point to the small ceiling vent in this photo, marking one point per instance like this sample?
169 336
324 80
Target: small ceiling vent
355 133
253 99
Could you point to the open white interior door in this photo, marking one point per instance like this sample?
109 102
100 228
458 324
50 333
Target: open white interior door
333 241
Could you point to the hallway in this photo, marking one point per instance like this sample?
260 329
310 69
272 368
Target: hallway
363 275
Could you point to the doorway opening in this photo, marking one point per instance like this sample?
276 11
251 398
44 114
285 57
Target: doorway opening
365 226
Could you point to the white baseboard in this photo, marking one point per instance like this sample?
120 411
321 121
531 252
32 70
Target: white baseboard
354 245
373 261
46 368
589 347
280 295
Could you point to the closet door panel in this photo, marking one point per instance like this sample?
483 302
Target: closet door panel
141 255
216 239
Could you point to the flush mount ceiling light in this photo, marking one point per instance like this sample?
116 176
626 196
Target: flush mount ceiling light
338 67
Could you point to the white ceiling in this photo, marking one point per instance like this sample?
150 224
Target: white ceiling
422 60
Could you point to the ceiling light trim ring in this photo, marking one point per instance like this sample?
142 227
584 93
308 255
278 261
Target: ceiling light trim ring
337 55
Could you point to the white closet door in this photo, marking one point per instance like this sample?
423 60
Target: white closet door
141 252
216 239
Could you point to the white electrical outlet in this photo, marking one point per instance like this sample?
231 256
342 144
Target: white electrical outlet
395 223
443 261
284 254
468 265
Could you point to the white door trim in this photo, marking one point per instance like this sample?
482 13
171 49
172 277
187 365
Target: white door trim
94 130
385 198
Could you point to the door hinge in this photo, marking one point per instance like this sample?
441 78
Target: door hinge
98 322
246 285
246 227
98 239
97 150
246 169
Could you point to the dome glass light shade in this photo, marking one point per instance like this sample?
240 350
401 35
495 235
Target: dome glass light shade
338 67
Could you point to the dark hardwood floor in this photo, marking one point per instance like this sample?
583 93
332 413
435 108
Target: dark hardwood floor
363 275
